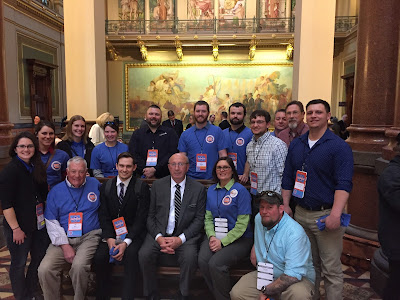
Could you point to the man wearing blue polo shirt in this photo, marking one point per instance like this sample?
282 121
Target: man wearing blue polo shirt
318 173
237 136
73 226
202 143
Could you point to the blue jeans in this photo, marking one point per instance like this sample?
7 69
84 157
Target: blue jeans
36 242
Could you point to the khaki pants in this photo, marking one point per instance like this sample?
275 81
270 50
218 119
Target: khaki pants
54 261
326 247
246 289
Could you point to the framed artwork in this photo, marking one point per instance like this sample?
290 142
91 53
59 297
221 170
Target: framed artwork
178 86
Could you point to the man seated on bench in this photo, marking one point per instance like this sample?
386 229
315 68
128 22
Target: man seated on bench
174 224
281 254
73 227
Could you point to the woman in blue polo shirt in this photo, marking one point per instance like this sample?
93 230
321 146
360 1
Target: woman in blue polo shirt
55 160
104 155
227 225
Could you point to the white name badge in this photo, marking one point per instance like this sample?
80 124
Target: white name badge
221 227
265 274
300 184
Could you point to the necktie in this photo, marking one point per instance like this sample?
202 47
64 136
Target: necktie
121 193
177 202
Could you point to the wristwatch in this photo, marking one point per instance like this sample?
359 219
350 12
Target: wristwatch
263 289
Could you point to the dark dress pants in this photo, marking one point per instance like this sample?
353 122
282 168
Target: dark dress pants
103 270
392 291
36 242
187 260
215 265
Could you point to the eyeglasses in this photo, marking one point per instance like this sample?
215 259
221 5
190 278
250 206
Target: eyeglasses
30 146
223 168
180 164
259 122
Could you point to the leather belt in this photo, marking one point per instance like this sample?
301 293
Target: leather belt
316 208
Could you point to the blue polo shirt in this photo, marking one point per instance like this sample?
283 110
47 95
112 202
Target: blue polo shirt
286 246
56 167
238 140
329 166
105 158
229 204
63 199
208 140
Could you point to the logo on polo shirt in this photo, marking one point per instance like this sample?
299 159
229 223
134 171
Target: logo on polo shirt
92 197
233 193
240 141
210 139
56 165
227 200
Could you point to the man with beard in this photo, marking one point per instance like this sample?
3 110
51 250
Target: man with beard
297 127
202 143
280 122
153 146
280 243
237 136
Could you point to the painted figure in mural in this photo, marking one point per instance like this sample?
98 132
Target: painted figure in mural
129 7
266 9
162 11
229 4
239 10
276 9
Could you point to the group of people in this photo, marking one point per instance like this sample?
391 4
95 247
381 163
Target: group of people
71 218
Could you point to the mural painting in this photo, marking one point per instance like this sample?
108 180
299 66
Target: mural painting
178 87
200 9
131 9
232 9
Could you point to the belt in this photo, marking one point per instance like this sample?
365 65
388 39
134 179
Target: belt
316 208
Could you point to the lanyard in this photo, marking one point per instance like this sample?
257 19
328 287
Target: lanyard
218 201
272 238
258 152
116 153
80 196
234 140
201 145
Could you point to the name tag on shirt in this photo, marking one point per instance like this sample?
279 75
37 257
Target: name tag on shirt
265 274
221 227
300 184
152 156
201 162
75 224
40 216
233 156
120 228
253 183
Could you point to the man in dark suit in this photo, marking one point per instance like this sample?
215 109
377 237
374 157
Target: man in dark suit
224 123
174 224
126 198
173 123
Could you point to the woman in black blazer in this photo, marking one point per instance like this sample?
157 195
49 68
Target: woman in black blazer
23 191
76 141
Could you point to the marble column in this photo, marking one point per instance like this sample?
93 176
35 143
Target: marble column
5 125
373 106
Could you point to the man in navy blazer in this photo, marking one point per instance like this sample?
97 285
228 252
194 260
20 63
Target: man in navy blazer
174 225
173 123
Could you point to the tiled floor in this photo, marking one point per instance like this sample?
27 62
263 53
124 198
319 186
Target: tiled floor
356 284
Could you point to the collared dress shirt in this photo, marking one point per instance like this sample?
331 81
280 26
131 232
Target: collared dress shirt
287 135
266 157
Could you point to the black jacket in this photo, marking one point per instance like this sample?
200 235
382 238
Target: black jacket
18 190
389 209
89 146
224 124
134 209
178 126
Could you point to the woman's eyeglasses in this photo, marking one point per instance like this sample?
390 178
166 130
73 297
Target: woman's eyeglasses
30 146
223 168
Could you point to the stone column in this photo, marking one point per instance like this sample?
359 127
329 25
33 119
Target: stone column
313 50
5 125
373 106
85 58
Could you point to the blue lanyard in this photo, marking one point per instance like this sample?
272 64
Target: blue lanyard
80 196
201 145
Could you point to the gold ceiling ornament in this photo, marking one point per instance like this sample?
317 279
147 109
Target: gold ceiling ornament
234 36
111 51
179 51
157 37
215 53
143 50
289 50
196 37
252 48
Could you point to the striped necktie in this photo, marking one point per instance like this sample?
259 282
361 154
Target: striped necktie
121 193
178 203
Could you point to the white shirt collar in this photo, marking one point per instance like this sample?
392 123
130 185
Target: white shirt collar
71 186
126 182
182 184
